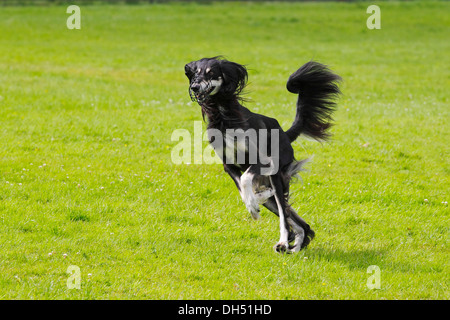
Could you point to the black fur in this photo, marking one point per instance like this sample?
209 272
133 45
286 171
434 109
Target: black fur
317 87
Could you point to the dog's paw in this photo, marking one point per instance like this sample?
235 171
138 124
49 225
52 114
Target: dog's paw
253 208
301 243
282 247
262 196
294 248
309 236
252 205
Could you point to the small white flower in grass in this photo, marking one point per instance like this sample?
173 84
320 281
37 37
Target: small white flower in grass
65 255
425 200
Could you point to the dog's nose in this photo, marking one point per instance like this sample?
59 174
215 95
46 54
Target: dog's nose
195 87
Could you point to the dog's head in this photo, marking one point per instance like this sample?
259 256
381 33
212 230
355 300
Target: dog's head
215 78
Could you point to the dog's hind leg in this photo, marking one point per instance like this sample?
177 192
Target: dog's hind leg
271 205
299 231
303 232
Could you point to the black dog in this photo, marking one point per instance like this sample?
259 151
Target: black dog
261 175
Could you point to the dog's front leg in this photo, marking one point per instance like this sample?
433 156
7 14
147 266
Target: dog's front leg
283 244
248 196
244 184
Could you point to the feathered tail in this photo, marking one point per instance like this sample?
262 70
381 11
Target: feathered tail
317 88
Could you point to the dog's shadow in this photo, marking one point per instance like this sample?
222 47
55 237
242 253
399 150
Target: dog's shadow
354 259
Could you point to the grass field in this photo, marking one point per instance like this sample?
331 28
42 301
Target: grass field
86 176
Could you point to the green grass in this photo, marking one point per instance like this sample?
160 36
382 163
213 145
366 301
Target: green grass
86 176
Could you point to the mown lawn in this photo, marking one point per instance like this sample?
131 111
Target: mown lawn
86 176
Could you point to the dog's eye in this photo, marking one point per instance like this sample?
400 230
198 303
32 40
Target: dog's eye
210 73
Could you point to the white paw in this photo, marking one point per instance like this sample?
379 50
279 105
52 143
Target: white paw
253 208
262 196
251 203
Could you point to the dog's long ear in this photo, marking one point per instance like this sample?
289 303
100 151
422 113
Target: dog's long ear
234 77
189 70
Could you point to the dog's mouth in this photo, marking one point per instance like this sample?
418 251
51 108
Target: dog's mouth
202 91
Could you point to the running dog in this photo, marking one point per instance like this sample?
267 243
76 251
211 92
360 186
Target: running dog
263 176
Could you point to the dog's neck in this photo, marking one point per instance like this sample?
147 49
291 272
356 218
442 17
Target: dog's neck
222 114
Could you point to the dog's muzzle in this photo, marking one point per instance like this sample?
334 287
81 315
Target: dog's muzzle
200 91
